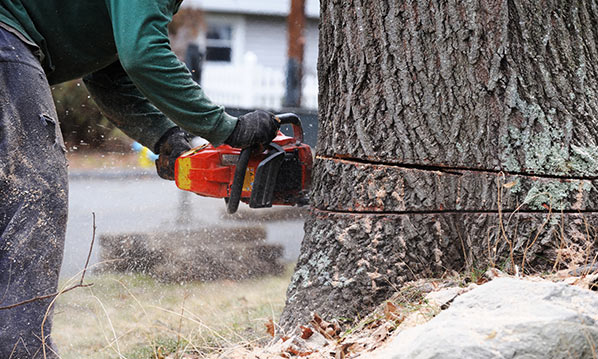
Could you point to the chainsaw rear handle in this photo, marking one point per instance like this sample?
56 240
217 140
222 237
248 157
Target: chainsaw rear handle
236 189
295 121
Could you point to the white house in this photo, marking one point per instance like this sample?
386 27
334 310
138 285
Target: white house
247 52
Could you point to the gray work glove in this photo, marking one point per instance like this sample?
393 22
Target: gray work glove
170 146
258 127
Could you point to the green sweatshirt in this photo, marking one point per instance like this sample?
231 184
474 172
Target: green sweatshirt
122 48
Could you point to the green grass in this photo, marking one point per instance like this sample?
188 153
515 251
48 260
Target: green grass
135 317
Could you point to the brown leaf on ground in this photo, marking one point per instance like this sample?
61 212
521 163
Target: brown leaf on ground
392 313
342 351
374 324
329 330
481 280
306 332
316 319
381 333
270 328
299 353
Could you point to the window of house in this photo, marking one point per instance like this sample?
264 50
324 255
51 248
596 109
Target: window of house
219 43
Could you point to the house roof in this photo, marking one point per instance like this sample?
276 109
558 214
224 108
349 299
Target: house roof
256 7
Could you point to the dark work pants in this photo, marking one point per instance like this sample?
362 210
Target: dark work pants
33 200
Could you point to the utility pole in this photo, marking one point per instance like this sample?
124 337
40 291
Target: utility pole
296 26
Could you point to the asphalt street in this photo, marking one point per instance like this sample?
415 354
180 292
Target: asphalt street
126 202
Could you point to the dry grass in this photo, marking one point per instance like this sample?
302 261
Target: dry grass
134 317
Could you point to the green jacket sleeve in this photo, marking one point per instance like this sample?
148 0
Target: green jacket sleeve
141 37
125 106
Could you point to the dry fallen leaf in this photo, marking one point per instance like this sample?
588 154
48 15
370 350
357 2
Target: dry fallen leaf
318 320
306 332
390 311
296 352
380 334
270 327
342 351
327 329
481 280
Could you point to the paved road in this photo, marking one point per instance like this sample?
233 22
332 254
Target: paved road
127 202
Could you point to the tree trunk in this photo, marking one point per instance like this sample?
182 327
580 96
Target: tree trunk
453 135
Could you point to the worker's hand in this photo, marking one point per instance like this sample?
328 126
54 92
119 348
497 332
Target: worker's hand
258 127
172 144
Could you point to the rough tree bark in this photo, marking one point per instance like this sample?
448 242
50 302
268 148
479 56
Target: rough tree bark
453 135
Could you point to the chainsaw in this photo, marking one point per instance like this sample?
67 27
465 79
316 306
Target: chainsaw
278 173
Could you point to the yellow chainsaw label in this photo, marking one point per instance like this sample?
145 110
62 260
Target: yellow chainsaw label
184 167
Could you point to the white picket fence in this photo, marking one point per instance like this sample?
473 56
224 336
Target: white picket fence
253 86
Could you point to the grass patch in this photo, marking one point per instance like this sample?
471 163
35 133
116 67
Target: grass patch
136 317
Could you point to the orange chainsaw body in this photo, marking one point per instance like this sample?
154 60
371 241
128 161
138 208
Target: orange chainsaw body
209 171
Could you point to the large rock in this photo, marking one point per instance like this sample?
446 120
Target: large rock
507 318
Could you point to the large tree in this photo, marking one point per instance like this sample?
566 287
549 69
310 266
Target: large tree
453 135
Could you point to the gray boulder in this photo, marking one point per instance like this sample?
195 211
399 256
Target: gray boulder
507 318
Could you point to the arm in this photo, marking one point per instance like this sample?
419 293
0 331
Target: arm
141 37
122 103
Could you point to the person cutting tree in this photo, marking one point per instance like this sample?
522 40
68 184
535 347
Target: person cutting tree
122 51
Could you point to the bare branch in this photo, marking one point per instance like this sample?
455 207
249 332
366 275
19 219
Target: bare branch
93 239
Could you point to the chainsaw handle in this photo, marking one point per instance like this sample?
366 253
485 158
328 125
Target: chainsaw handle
236 189
295 121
